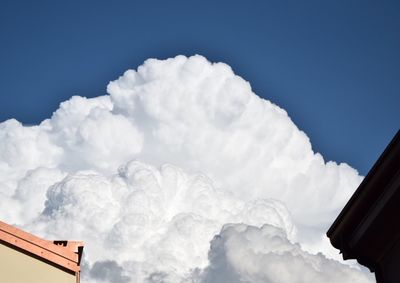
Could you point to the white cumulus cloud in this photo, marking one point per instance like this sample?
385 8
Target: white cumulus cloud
180 174
242 253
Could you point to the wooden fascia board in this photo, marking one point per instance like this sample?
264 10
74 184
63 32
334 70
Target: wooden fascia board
376 209
361 196
44 249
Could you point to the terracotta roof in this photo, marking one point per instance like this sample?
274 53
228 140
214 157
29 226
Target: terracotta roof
66 254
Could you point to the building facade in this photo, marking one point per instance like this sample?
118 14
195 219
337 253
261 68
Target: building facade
26 258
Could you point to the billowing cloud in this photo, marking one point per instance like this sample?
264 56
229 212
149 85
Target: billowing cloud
148 176
242 253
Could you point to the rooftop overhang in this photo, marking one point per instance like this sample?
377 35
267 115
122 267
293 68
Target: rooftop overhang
64 254
368 226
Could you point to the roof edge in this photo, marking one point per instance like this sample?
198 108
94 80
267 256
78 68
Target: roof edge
66 254
375 171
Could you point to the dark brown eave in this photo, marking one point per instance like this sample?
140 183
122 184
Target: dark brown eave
360 223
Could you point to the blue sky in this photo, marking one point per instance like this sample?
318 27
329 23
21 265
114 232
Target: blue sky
334 66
